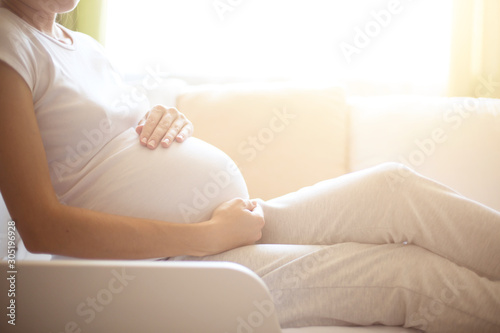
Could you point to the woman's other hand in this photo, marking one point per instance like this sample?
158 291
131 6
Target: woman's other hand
162 125
235 223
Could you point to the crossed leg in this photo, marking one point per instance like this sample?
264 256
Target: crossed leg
349 263
387 204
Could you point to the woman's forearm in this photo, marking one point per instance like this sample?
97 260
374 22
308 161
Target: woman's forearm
82 233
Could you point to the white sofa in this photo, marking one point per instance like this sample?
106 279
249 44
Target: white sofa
284 136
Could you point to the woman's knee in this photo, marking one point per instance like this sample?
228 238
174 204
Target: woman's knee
393 175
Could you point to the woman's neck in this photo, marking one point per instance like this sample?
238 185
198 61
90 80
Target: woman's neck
36 17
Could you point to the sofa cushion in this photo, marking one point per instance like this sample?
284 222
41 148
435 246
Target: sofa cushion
455 141
282 136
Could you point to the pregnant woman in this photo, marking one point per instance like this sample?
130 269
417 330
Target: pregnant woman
85 173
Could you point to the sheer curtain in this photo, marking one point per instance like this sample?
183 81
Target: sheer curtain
445 47
373 46
475 60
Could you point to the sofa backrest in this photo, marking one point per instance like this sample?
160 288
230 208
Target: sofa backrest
282 136
455 141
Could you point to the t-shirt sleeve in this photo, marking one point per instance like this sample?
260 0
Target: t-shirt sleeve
16 50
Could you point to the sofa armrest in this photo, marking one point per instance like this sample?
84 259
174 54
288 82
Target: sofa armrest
136 296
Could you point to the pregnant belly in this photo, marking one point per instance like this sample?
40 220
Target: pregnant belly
183 183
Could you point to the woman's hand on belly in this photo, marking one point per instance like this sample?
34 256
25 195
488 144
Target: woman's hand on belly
234 223
162 124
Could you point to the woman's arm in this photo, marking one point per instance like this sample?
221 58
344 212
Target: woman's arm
46 226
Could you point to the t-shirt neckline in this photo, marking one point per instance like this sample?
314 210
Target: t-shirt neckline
54 40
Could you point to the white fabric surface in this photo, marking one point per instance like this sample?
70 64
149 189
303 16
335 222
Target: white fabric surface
183 183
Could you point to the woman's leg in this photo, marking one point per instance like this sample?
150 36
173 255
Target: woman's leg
366 284
388 204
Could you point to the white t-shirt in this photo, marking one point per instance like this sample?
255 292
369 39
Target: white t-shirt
87 115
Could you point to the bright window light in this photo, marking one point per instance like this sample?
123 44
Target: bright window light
389 40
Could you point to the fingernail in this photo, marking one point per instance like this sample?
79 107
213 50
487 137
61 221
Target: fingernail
144 140
152 144
180 136
166 142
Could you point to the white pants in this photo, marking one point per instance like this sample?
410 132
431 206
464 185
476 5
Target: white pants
379 246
